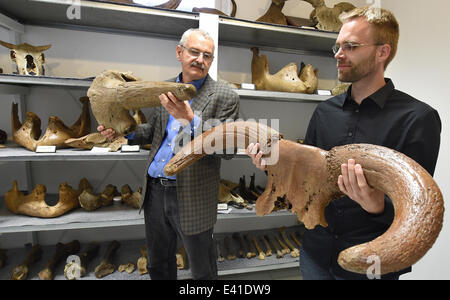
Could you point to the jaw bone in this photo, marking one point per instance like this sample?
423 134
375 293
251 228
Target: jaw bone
28 133
286 80
307 177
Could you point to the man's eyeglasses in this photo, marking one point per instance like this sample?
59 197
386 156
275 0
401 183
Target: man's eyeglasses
196 53
348 46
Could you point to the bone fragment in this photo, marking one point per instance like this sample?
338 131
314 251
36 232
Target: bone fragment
89 201
77 268
284 248
229 252
242 245
220 257
182 258
275 244
21 271
267 244
107 266
61 253
129 197
294 237
128 267
142 262
293 250
250 247
261 254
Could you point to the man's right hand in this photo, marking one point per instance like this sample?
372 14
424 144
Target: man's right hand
109 133
256 156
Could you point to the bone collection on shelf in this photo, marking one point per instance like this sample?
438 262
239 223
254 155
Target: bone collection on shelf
321 17
99 260
249 245
34 204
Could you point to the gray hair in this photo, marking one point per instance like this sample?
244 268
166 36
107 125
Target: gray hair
190 31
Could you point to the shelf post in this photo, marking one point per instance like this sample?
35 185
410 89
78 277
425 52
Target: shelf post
210 23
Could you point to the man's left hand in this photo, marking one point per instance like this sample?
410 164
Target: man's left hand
180 110
352 183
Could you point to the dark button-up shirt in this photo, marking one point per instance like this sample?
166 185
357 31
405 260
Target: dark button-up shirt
388 118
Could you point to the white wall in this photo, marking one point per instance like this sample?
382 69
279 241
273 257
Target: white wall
422 69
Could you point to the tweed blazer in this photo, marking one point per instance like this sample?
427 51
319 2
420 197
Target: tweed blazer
198 185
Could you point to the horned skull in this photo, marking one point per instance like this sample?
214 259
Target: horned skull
29 59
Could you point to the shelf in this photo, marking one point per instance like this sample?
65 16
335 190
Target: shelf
280 38
109 216
129 251
17 153
29 81
138 19
101 16
279 96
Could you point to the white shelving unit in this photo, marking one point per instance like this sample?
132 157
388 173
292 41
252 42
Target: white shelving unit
100 16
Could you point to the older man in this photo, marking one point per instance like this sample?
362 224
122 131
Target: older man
184 206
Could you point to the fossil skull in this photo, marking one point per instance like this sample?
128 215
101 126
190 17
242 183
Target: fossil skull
307 177
286 80
113 94
29 59
327 18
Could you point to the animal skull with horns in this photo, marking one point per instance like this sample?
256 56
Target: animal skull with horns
29 59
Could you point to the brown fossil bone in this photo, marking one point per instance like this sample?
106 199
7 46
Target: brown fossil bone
61 252
34 203
142 261
129 197
128 267
182 258
107 266
98 140
29 59
220 257
216 11
295 239
293 250
267 244
242 247
276 246
307 176
273 14
113 94
75 269
285 80
261 253
21 271
28 133
284 248
251 251
89 201
327 18
229 252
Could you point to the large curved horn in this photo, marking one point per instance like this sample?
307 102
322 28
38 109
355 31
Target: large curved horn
307 177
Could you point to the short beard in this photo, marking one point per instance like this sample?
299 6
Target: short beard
358 71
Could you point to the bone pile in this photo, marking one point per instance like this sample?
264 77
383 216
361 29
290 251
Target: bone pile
282 243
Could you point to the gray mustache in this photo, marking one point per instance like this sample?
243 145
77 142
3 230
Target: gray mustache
196 64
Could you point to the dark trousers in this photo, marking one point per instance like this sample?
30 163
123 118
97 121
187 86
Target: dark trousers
162 227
